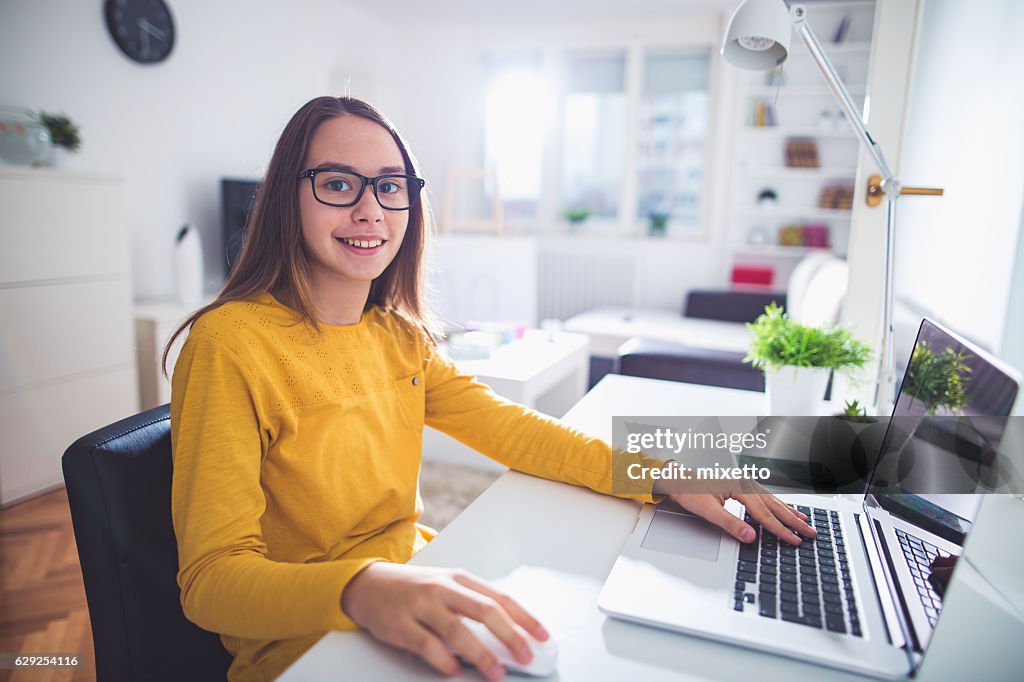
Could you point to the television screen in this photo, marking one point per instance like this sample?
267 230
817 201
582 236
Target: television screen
237 197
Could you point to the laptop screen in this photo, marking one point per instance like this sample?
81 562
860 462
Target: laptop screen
939 455
948 421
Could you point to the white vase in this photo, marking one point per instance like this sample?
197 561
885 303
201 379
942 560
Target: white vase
188 266
796 391
60 157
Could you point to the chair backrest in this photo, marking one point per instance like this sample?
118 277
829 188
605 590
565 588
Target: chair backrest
119 487
816 290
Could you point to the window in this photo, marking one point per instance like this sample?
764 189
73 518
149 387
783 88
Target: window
629 149
672 136
517 116
594 133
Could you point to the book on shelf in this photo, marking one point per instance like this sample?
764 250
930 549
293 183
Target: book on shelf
837 195
764 115
802 152
843 30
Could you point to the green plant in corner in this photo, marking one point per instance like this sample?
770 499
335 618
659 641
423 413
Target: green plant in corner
777 342
63 131
937 379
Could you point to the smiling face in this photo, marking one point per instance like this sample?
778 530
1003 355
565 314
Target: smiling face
350 247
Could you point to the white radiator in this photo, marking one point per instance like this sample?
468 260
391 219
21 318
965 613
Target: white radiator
570 283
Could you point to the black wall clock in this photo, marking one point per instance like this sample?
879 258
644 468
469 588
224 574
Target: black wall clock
143 29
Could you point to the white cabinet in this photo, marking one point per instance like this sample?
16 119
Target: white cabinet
809 190
155 321
67 363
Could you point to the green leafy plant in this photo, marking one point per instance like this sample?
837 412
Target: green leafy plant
576 215
658 222
63 131
777 342
937 379
853 411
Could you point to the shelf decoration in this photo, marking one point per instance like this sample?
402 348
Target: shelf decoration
767 197
808 235
843 30
752 276
837 195
764 115
791 235
802 152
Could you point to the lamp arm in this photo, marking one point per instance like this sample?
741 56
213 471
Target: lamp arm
798 15
889 186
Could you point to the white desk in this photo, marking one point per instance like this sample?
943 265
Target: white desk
552 545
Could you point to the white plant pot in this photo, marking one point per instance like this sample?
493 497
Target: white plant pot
796 391
60 157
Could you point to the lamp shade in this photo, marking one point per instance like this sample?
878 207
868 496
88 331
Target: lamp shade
757 36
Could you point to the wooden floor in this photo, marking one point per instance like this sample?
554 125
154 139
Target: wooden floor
42 600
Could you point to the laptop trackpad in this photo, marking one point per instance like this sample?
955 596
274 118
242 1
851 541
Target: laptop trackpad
683 534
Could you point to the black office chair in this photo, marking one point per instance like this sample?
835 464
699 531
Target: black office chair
119 486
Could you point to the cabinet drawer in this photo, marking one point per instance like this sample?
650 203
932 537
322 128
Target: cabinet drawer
51 332
38 426
58 225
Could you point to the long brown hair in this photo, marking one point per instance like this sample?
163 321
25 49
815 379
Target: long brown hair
273 254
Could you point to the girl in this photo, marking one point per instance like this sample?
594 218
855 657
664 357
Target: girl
298 404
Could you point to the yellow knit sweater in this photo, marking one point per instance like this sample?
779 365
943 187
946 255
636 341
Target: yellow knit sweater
296 464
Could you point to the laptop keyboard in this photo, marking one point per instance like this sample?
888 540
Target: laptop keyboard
810 584
919 555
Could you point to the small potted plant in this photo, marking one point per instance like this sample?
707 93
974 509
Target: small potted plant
797 360
657 224
846 446
937 379
576 216
853 411
65 135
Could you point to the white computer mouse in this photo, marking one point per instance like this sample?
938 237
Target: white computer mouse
545 654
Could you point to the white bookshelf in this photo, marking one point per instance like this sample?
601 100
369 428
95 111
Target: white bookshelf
798 101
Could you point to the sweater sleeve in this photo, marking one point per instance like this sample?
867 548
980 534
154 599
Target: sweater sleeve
228 584
524 439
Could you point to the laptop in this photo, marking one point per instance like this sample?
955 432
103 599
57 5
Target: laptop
861 597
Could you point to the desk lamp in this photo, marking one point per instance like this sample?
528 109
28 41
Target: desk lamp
757 38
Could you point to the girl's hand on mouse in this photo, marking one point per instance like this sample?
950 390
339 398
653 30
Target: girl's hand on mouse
420 609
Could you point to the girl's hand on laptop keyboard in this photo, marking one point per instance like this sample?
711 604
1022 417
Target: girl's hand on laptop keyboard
766 509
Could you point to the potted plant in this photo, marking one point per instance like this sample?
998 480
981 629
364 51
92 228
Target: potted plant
658 223
937 379
847 444
854 412
576 216
65 135
797 360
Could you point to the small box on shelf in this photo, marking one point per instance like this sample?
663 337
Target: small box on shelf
809 235
752 276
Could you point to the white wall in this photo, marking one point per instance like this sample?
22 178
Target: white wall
956 254
213 109
1012 347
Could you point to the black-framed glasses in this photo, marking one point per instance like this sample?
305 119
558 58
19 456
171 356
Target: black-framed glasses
342 188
